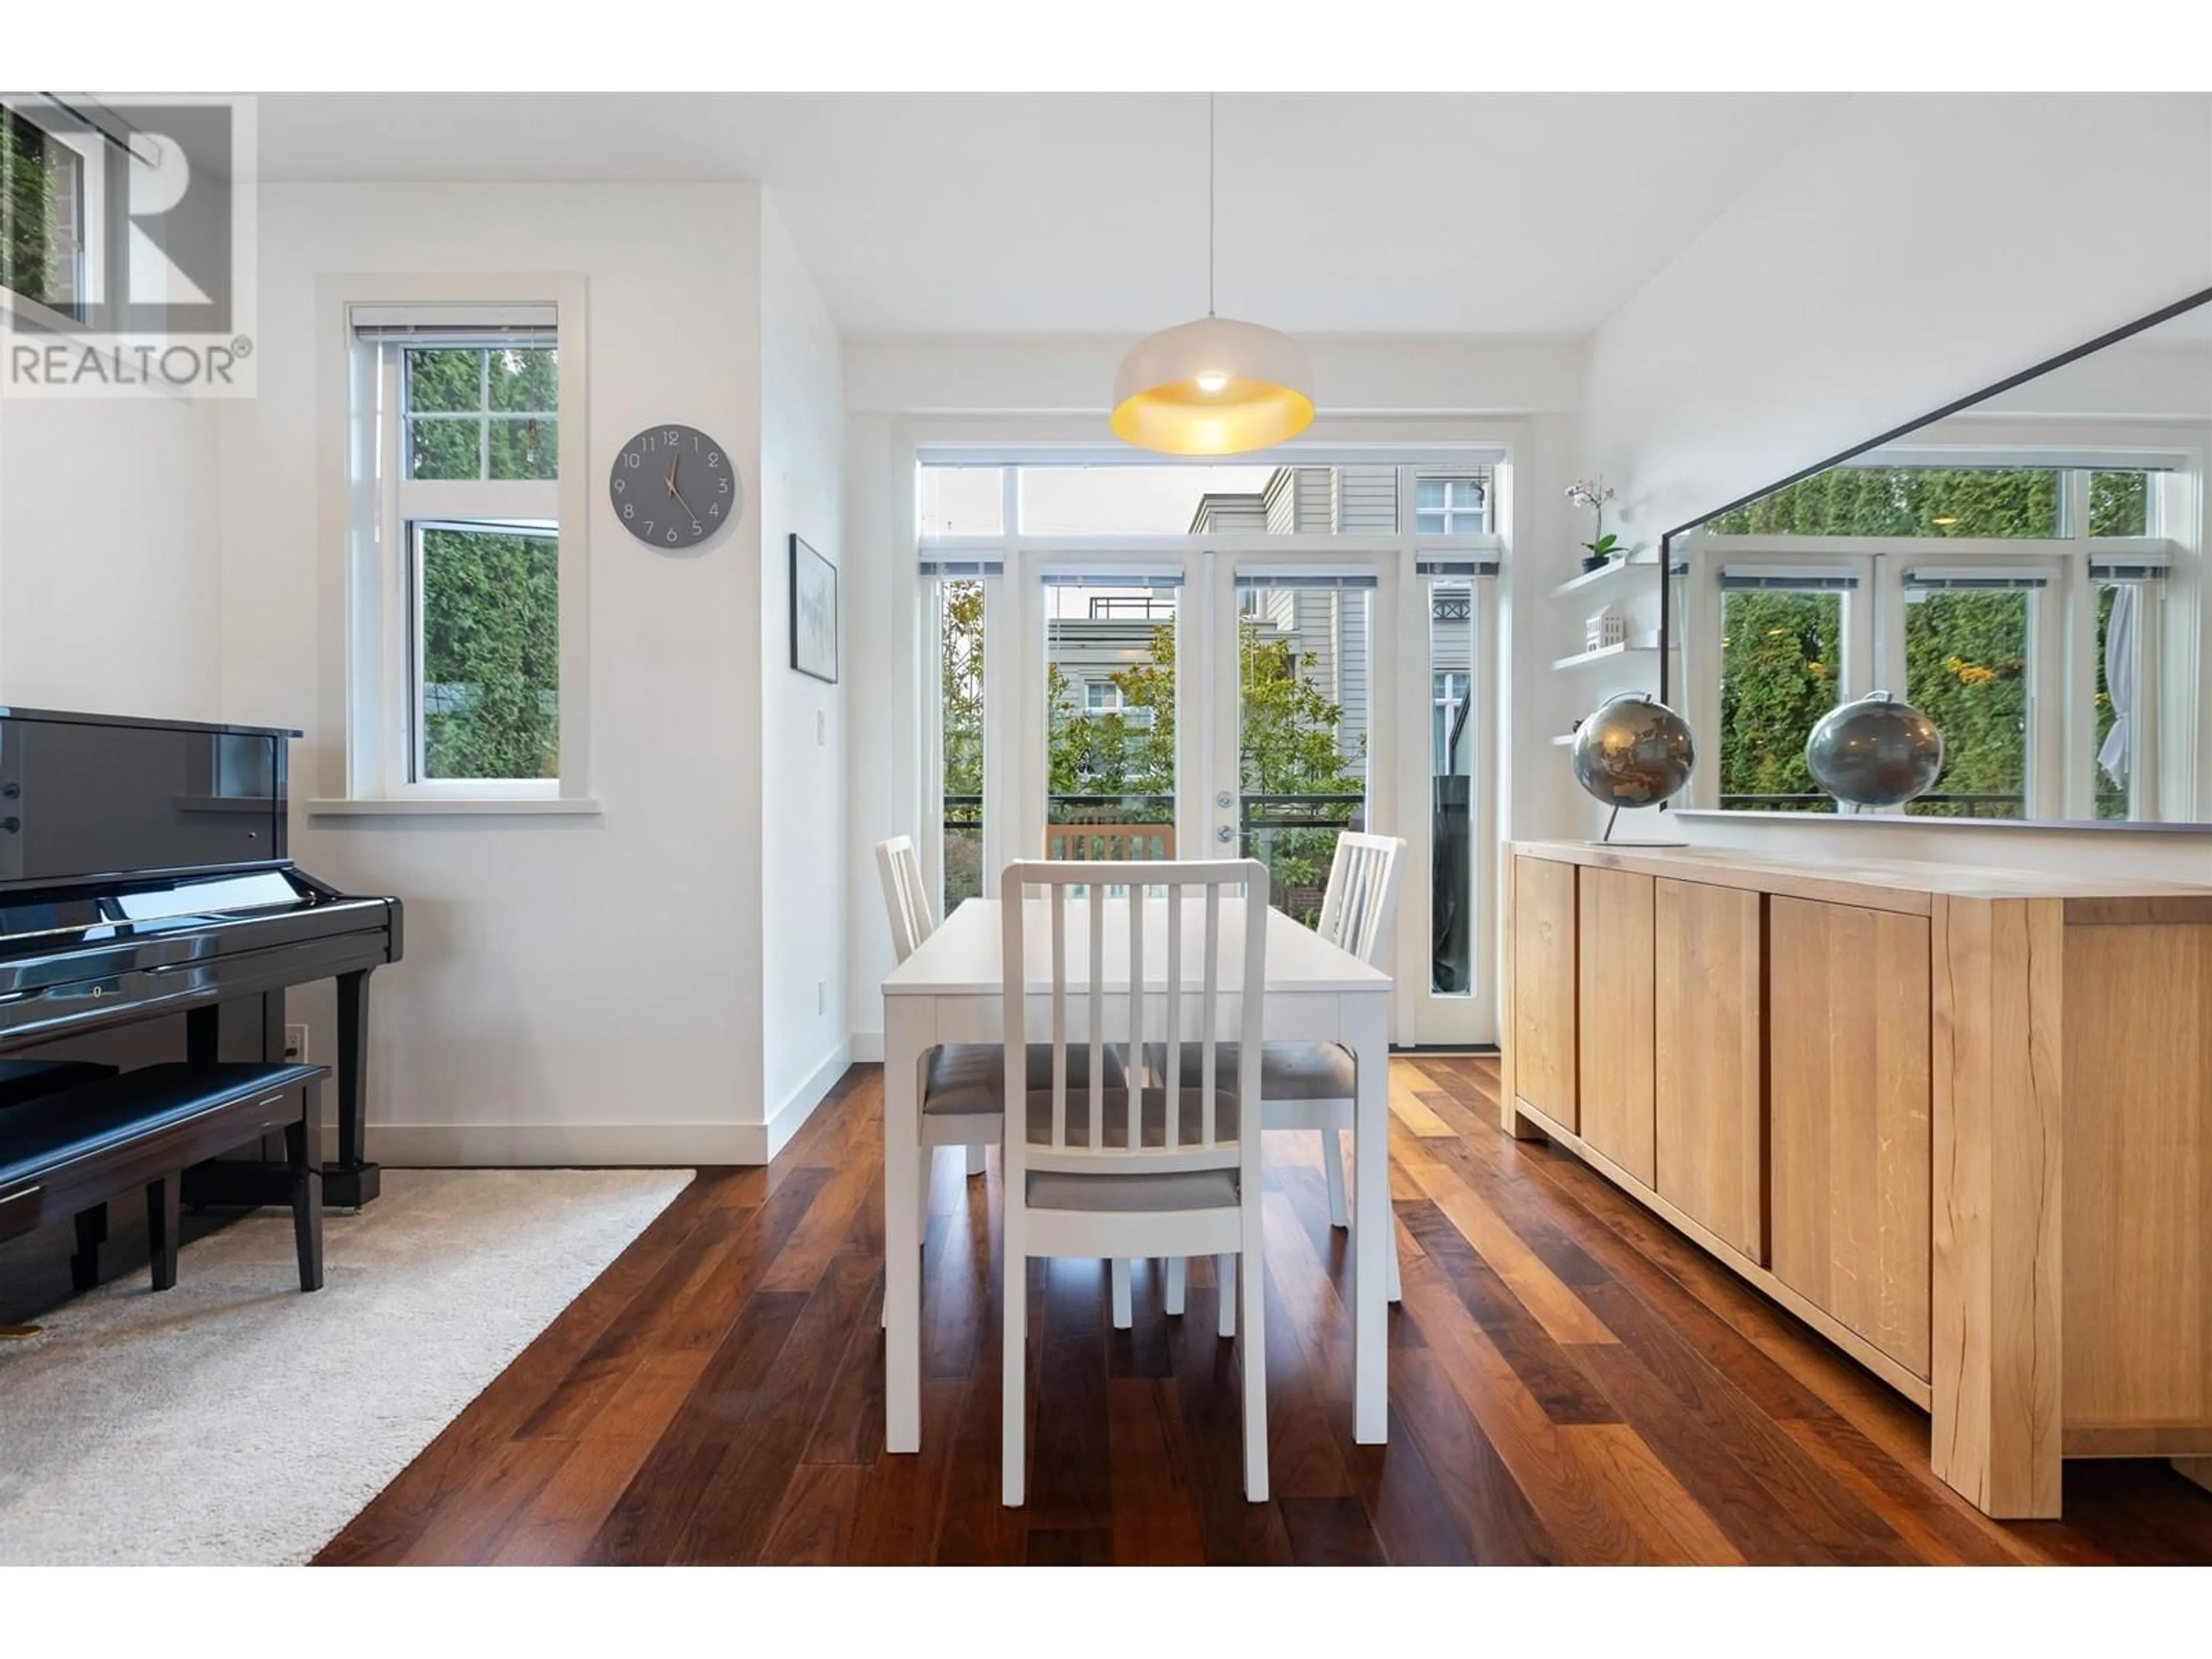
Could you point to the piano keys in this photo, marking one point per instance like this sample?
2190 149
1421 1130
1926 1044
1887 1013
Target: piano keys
143 873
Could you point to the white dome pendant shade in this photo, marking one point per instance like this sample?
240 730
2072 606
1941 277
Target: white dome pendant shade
1213 387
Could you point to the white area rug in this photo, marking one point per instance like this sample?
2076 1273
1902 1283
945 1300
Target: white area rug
232 1421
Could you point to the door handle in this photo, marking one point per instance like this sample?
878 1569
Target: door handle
1225 834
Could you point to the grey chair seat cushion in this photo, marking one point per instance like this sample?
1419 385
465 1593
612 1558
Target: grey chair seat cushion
1114 1124
969 1079
1122 1194
1288 1071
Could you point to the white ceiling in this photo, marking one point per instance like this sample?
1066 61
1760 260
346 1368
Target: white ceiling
991 213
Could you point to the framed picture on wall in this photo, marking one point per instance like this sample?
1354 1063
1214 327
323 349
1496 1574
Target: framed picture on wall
813 612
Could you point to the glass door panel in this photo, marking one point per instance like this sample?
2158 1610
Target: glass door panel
1305 719
1109 707
959 612
1781 656
1452 744
1966 668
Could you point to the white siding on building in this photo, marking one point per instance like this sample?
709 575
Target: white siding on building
1366 501
1351 640
1314 513
1228 513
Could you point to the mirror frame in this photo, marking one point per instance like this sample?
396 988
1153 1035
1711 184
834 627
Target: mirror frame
2202 296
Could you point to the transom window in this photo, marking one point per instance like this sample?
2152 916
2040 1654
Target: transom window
1451 506
482 412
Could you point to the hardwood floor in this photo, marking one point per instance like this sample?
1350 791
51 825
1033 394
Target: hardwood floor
1571 1381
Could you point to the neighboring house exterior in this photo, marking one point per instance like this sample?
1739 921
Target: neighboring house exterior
1326 627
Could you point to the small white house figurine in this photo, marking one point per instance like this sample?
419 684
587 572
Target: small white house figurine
1604 628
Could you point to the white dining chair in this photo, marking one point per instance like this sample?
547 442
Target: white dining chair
1313 1085
1105 1172
963 1083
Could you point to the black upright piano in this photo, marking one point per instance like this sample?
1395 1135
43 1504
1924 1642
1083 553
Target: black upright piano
148 911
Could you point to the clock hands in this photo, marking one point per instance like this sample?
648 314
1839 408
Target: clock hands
670 481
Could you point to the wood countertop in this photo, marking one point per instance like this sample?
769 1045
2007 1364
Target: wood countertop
1889 884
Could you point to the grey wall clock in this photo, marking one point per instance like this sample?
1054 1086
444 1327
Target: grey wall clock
673 486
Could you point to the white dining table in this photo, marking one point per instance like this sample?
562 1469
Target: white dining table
952 990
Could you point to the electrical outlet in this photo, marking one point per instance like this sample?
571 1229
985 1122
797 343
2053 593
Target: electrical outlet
821 728
821 996
296 1045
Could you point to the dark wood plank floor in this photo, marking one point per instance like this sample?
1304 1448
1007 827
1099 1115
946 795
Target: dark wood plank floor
1571 1381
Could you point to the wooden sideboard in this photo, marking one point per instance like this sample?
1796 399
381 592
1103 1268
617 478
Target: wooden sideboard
1958 1121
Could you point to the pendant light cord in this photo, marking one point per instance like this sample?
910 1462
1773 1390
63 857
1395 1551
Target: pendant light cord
1210 169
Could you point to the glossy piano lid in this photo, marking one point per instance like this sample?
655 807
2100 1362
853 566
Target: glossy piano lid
73 717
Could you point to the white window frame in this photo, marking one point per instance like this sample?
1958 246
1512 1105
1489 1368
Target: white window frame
369 507
2061 738
88 243
1397 793
1447 512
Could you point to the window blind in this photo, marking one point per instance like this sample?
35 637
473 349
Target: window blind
963 565
1112 579
1249 579
1786 579
2131 568
523 327
1437 564
1991 579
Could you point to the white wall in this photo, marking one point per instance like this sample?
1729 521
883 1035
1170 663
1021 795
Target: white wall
1023 373
605 988
1913 249
111 582
575 988
803 866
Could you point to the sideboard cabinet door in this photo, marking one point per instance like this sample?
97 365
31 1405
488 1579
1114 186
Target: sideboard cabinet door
1849 1090
1616 1018
1711 1129
1543 1033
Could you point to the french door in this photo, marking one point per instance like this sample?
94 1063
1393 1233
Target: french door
1236 690
1221 705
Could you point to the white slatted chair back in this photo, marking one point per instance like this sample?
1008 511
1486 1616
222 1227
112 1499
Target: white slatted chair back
1174 993
903 895
1361 903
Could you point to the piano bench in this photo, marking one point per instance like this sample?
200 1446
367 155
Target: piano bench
65 1155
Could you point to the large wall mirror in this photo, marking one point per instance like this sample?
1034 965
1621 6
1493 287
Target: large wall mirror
2027 567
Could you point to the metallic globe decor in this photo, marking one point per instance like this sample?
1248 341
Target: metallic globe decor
1632 752
1876 751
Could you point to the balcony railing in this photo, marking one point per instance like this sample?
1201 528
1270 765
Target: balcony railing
1294 836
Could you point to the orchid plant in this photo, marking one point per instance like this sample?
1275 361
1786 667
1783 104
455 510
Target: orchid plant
1593 494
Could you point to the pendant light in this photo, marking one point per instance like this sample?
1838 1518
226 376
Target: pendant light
1216 386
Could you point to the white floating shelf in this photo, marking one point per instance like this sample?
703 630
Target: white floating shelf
1604 651
1599 578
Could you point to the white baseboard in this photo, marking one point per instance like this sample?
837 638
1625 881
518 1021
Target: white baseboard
867 1047
775 1134
558 1145
555 1145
